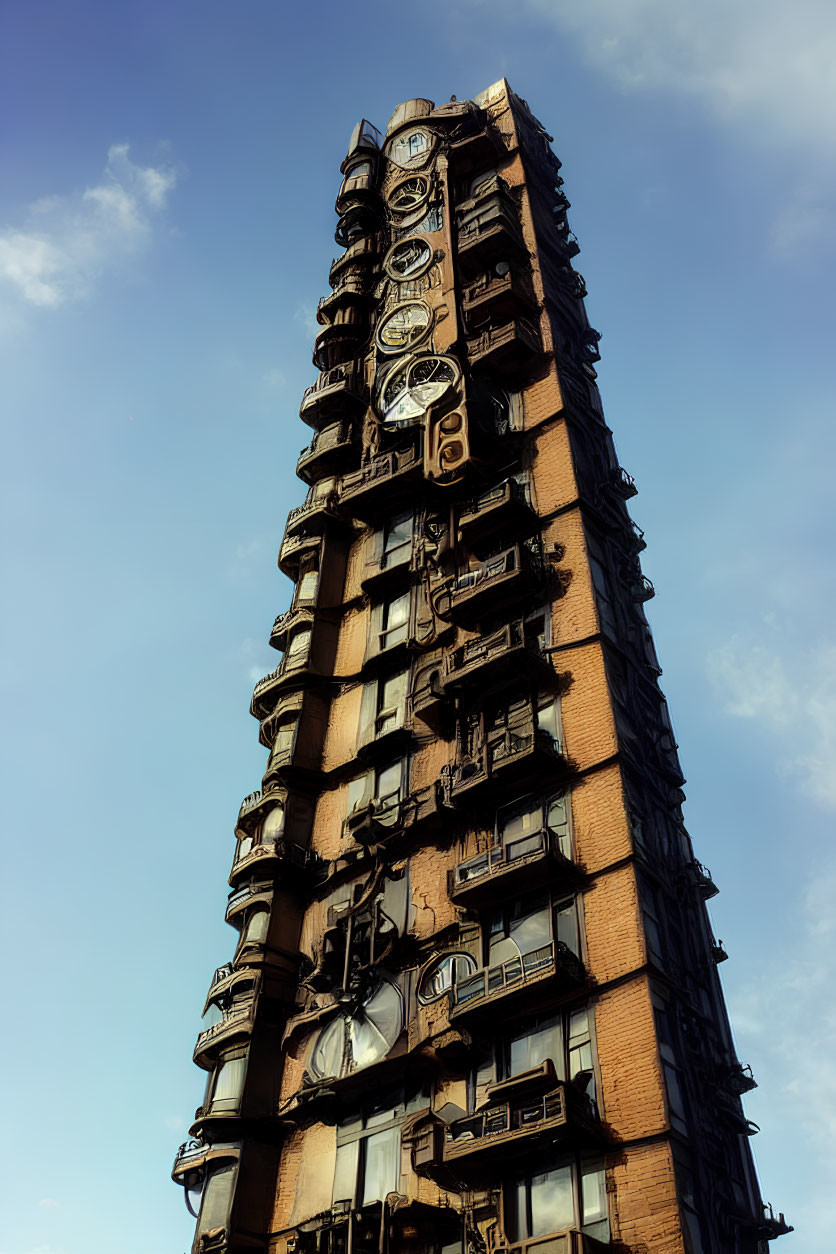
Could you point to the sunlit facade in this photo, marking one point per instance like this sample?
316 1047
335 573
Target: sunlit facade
473 1007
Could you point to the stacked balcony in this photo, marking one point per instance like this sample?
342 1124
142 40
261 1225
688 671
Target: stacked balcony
382 481
286 624
497 296
509 868
488 229
487 661
505 349
552 968
237 1018
503 507
502 581
290 674
336 392
340 340
329 453
305 526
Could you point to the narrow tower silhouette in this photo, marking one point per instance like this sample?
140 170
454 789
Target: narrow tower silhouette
474 1005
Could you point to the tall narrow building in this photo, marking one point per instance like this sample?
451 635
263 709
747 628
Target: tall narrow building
473 1006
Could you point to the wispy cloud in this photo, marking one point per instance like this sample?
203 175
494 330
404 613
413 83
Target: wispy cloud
786 1021
49 1203
792 699
762 68
66 242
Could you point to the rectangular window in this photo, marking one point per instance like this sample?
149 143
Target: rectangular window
306 587
548 718
394 622
397 542
570 1193
383 707
520 827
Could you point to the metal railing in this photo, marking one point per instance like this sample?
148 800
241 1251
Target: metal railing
498 979
501 856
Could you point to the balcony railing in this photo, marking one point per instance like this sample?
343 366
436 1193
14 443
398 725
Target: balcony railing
642 589
326 452
498 294
501 580
505 652
521 1124
287 622
569 1242
505 348
333 392
505 505
292 550
508 867
238 1019
381 480
363 250
623 484
492 984
337 343
290 672
701 878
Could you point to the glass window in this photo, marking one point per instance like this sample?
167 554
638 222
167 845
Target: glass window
397 541
256 929
550 1201
548 718
382 1165
394 624
345 1172
229 1085
217 1196
391 703
273 825
283 744
306 587
298 649
542 1042
388 791
439 978
358 792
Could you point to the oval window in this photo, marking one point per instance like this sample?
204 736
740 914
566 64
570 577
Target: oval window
441 975
406 325
409 194
408 258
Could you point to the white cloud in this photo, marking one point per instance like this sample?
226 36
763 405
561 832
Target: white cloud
760 61
786 1022
793 700
67 241
49 1203
761 68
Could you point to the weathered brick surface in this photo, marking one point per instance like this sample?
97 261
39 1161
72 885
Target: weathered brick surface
326 836
631 1078
352 642
613 925
306 1173
341 733
600 827
552 473
574 616
646 1210
588 723
428 869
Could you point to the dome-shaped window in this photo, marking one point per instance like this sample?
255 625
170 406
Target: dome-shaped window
442 974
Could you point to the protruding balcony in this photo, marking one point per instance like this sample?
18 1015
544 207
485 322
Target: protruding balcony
622 483
363 251
519 757
236 1021
294 548
328 453
275 858
504 506
381 481
505 349
352 289
500 582
489 229
507 869
335 392
737 1078
286 624
700 877
356 188
339 341
485 661
253 892
498 296
291 673
772 1226
493 989
194 1156
718 952
314 516
428 699
526 1125
641 589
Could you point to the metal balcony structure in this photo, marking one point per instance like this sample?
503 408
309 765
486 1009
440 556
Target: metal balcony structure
335 393
495 586
494 988
504 506
328 453
505 349
509 868
381 481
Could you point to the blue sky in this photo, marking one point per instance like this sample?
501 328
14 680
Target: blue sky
166 219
